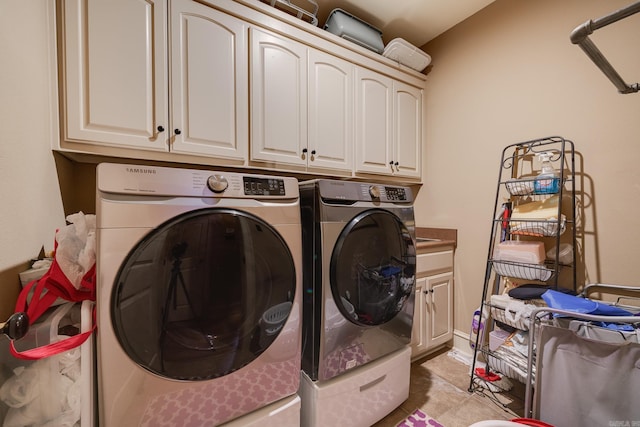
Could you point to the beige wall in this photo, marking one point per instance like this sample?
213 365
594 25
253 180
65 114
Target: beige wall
31 206
510 74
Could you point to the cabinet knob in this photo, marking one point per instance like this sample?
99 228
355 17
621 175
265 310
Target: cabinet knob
304 151
391 163
313 152
177 131
426 291
160 128
396 164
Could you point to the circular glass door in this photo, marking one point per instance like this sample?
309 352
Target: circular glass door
373 268
203 294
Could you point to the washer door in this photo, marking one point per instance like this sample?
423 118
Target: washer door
373 268
204 294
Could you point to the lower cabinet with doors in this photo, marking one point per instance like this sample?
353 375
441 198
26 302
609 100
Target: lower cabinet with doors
433 316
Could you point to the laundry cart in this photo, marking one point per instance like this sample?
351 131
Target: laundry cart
587 365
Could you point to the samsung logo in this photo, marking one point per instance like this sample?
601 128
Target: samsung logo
141 171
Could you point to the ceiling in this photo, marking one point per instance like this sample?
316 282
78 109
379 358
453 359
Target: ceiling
416 21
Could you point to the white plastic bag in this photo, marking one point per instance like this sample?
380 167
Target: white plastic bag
76 251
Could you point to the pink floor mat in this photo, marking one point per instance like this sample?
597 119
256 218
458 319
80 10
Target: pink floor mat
419 419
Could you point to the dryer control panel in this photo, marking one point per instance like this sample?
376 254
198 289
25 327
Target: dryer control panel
396 193
363 192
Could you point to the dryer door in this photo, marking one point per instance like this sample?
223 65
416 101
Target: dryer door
373 268
204 294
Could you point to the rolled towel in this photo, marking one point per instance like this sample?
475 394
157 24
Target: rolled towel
18 417
66 419
52 397
72 372
74 399
68 358
51 400
22 388
72 407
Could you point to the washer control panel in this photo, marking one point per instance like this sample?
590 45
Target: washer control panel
164 181
257 186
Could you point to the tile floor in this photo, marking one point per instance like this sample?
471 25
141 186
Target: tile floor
439 384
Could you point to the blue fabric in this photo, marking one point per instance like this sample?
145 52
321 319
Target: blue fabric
389 271
555 299
616 326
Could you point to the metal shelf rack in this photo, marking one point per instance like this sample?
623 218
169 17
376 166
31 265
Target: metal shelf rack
551 222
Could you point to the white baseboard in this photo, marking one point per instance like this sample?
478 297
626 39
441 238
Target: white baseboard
461 350
461 346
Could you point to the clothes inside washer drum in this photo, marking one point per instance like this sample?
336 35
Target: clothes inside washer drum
582 382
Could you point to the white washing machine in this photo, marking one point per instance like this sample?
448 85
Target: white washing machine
359 279
198 297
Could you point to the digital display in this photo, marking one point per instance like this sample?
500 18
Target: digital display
263 186
395 193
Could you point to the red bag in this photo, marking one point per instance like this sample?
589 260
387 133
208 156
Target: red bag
53 285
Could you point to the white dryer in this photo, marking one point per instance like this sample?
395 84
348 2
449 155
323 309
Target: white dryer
198 296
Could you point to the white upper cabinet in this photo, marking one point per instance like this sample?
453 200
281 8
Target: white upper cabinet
209 90
219 82
407 129
301 105
278 99
116 85
388 125
374 129
331 94
115 72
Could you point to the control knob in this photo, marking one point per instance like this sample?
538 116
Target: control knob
374 192
217 183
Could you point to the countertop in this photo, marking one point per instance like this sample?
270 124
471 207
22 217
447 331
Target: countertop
441 236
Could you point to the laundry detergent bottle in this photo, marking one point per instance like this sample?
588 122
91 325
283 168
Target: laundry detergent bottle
478 324
548 182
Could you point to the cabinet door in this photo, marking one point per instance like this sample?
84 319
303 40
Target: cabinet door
330 112
115 72
209 83
419 330
407 129
278 75
374 136
439 309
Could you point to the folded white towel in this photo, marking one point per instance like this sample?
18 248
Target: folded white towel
500 300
